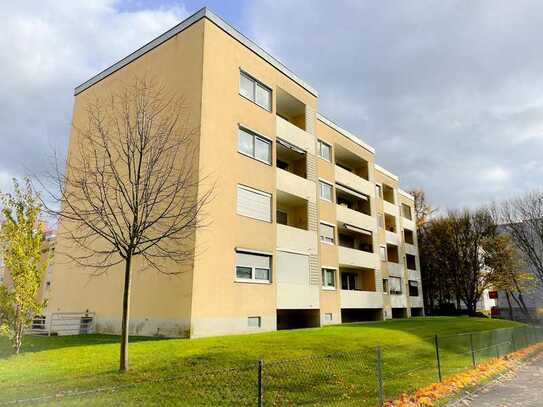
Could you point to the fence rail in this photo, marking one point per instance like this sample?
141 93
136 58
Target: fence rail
366 377
63 323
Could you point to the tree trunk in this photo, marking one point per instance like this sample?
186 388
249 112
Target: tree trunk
511 317
123 367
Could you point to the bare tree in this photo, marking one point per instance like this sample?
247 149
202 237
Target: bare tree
131 187
522 218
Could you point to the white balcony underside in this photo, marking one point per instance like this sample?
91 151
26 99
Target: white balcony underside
298 240
353 181
295 185
295 136
358 258
352 217
361 299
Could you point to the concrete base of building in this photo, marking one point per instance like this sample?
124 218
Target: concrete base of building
144 327
201 327
400 313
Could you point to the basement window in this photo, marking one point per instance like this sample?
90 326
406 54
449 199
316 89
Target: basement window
254 322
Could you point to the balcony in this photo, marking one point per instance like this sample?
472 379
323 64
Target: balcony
353 181
410 249
361 299
352 217
395 269
296 239
357 258
392 238
297 296
296 185
390 208
398 301
413 275
408 224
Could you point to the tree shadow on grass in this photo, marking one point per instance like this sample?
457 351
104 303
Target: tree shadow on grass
38 343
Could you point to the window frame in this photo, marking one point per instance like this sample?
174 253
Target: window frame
256 83
320 143
255 136
390 285
333 232
416 286
383 248
255 318
253 278
324 270
321 182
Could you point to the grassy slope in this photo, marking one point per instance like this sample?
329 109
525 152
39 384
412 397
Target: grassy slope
49 365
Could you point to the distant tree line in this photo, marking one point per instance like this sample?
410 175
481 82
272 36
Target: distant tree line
465 252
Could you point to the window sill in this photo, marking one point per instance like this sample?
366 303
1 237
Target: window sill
328 243
329 288
239 280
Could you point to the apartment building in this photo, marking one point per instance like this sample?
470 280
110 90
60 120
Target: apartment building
305 229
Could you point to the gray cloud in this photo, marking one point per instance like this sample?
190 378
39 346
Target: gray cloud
49 47
448 92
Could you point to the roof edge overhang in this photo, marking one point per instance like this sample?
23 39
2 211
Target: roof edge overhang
218 21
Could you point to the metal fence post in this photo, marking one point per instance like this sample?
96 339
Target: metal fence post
380 376
260 383
436 343
472 350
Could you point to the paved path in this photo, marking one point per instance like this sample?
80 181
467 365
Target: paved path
521 387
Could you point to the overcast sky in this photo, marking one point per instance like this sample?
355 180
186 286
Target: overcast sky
450 93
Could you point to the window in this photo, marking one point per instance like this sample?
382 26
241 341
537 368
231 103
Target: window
411 262
406 211
325 150
327 233
395 285
385 285
413 288
383 253
292 268
326 191
328 317
255 91
378 191
254 146
328 278
254 204
348 281
253 267
408 236
282 217
254 322
381 220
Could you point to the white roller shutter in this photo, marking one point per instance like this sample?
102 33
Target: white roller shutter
292 268
254 204
253 260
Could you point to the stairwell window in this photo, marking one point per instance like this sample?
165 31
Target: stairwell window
395 285
329 279
326 190
255 91
327 233
325 151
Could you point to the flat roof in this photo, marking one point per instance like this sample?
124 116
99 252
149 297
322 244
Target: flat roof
202 13
386 172
346 133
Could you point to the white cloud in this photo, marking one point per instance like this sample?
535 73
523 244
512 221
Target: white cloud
447 92
48 48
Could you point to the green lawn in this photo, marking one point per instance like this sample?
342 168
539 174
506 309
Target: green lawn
49 365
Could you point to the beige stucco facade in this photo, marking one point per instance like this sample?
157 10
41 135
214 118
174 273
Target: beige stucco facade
203 60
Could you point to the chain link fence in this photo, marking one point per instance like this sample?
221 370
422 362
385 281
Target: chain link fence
366 377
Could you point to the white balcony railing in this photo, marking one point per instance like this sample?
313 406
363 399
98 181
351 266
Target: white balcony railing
294 135
353 181
305 241
395 269
398 301
297 296
361 299
408 224
355 218
392 238
296 185
358 258
390 208
410 249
